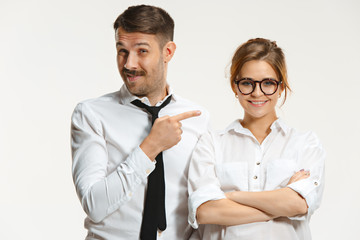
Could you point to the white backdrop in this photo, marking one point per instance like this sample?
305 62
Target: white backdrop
54 54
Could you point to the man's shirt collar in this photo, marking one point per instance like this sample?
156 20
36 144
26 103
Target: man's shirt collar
126 97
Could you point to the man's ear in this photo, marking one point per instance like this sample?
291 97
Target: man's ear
168 51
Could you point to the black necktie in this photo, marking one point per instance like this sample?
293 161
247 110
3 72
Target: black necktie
154 211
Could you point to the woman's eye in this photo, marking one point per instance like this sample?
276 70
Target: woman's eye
269 83
245 83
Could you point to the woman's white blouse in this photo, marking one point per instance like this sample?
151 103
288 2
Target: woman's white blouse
234 160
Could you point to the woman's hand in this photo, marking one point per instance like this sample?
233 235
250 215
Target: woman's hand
299 176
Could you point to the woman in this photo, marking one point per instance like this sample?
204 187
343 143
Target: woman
258 178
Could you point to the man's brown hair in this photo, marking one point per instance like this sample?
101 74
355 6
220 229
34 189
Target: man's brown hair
147 19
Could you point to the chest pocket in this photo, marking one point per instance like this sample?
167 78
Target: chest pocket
232 176
279 172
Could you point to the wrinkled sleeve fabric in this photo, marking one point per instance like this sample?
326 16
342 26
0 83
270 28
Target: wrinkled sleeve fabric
312 158
203 184
102 192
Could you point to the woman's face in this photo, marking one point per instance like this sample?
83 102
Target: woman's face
257 104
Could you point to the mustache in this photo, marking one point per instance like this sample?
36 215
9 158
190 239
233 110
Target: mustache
133 72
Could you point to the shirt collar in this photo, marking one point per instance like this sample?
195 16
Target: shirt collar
237 127
278 124
126 97
281 125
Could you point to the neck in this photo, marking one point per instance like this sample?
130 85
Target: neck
153 99
259 127
159 95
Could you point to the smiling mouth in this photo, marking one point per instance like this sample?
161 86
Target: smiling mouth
133 75
258 103
132 78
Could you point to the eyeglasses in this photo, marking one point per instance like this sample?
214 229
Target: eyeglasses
247 85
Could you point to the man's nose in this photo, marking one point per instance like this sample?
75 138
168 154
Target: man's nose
131 61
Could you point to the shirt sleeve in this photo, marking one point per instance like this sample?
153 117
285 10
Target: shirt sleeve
203 184
312 158
102 192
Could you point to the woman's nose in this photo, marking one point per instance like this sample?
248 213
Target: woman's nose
257 91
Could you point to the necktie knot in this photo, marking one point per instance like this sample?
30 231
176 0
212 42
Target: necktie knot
153 110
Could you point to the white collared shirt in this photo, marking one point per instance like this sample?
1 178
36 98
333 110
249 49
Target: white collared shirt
234 160
110 170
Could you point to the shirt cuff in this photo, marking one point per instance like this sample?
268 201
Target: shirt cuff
140 163
201 195
305 188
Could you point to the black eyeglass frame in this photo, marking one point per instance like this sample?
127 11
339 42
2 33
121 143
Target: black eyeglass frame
237 81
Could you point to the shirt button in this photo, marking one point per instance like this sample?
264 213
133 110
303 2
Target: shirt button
255 177
316 183
130 194
258 163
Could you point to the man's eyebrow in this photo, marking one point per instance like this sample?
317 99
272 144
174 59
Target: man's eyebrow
142 44
137 44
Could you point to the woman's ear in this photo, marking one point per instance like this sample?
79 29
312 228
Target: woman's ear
168 51
281 89
234 87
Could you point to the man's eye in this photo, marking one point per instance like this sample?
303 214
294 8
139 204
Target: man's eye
143 51
122 52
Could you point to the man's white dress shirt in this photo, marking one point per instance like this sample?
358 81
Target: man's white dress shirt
234 160
110 170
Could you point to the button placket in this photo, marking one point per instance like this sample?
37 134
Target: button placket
255 177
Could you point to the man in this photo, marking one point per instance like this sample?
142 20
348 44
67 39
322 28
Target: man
130 167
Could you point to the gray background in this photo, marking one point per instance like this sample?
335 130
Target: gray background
54 54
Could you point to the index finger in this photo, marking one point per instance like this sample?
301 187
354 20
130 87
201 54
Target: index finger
186 115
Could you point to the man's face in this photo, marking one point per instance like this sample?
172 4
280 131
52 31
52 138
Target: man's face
141 63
